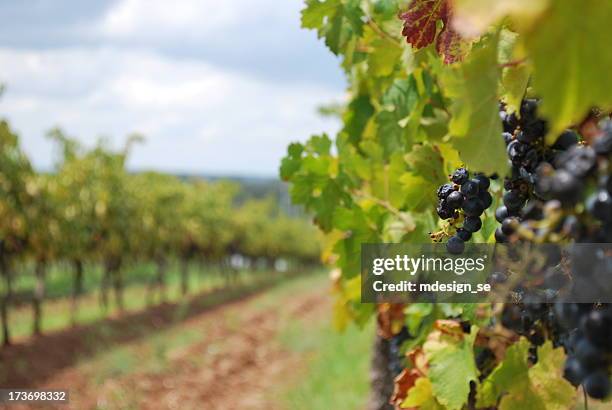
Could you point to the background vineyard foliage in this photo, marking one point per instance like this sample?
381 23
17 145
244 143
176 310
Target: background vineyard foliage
91 212
418 107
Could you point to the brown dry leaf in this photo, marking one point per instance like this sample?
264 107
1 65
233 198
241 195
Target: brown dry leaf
390 319
498 339
403 382
449 327
418 360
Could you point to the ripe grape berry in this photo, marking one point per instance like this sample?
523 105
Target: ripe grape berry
455 245
464 196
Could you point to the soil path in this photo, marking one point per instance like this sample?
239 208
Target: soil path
238 363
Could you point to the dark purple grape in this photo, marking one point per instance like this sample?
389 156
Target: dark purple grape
470 188
528 109
567 139
513 201
445 190
597 385
454 200
460 176
597 327
509 225
499 236
566 187
589 355
501 213
498 277
486 198
600 205
510 122
507 137
483 182
573 371
455 245
579 161
464 234
444 212
603 144
473 207
472 224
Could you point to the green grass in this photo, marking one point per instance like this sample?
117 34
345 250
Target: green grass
57 312
336 376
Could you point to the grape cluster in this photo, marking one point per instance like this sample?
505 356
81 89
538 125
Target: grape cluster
588 342
526 149
464 197
550 182
558 194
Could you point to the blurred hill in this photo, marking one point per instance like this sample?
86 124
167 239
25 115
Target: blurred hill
254 187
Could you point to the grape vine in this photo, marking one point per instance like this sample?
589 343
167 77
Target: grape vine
468 121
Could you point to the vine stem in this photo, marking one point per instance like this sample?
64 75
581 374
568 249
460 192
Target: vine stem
387 205
512 63
586 399
370 22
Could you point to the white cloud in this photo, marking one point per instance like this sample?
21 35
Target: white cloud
132 19
196 116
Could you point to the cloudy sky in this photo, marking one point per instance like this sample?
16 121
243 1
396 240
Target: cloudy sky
215 86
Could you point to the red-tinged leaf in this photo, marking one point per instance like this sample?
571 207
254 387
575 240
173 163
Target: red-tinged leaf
420 21
449 45
420 26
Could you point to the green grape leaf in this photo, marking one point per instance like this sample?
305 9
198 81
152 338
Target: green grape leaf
571 68
514 83
541 387
319 144
399 102
416 191
384 57
475 125
358 113
386 182
425 160
316 13
334 20
452 367
292 162
511 371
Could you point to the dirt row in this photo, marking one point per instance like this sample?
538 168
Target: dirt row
237 364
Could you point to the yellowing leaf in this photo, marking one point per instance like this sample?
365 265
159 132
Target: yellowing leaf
569 49
541 387
421 396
